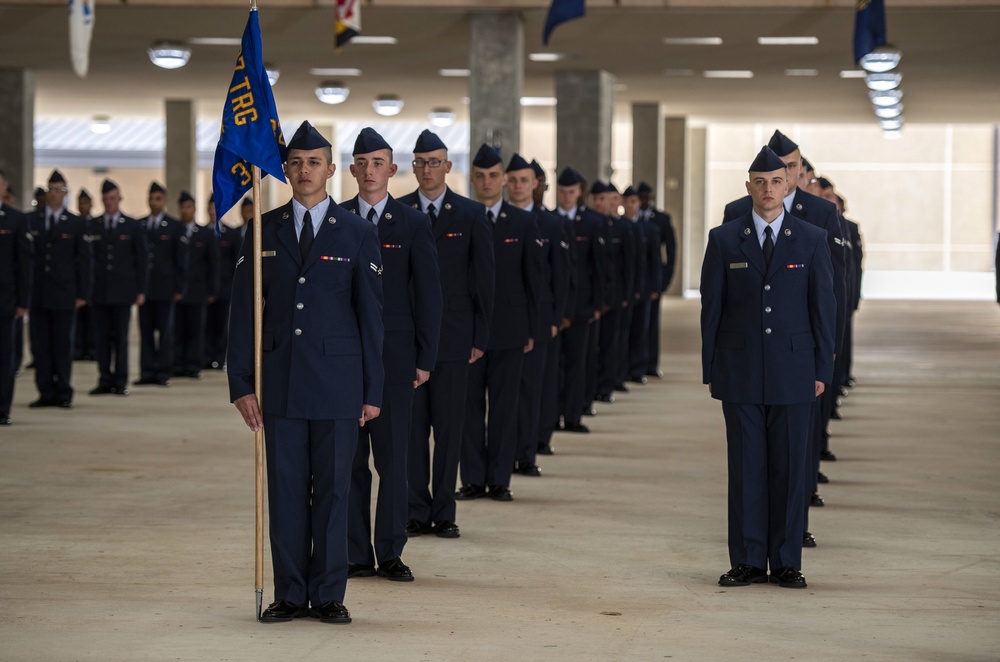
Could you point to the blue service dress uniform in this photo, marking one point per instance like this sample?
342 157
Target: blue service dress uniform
121 258
636 300
63 273
489 447
411 315
167 271
217 316
767 337
201 250
467 269
16 270
646 314
322 361
621 286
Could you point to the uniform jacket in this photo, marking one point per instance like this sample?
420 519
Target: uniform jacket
858 254
121 259
640 260
518 279
624 260
63 268
167 270
653 282
16 256
322 336
553 242
411 290
767 337
201 252
229 252
588 253
466 266
668 242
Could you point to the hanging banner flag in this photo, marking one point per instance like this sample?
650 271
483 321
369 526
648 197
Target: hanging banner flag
561 11
81 26
348 21
869 27
251 133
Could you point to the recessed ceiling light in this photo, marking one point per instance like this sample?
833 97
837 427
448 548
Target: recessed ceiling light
332 92
727 73
100 124
169 55
892 134
538 101
802 72
886 98
787 41
678 72
374 40
387 105
273 73
215 41
455 73
441 117
852 73
335 72
881 60
883 82
546 57
692 41
888 112
892 124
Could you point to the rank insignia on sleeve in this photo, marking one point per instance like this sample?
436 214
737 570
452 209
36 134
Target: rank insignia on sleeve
377 269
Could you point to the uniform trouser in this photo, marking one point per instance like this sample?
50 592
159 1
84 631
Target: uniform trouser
189 330
110 324
83 343
18 344
575 342
548 416
156 329
7 367
439 403
624 329
608 355
308 481
529 405
766 450
216 333
848 350
488 448
811 483
638 343
52 350
592 366
653 339
387 440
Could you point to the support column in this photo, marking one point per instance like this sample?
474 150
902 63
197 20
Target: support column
647 146
496 59
694 224
671 189
180 155
584 106
17 132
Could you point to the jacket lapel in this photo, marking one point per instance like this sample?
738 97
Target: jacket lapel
784 246
751 246
391 213
326 235
286 233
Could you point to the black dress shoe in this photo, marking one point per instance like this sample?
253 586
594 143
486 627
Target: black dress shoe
163 382
501 493
145 381
590 411
4 419
835 415
119 390
808 540
743 575
282 611
446 529
601 397
850 382
788 578
193 374
415 528
842 391
528 469
356 570
545 449
578 428
101 390
395 571
816 501
822 478
655 373
64 404
43 402
827 455
621 388
331 612
470 492
638 379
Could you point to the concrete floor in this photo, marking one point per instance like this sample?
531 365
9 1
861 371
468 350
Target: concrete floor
126 527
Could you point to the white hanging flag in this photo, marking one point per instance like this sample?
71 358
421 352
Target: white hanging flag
81 26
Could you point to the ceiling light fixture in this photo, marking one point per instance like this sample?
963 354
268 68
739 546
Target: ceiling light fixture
692 41
678 73
387 105
273 73
802 72
332 92
886 98
892 134
100 124
883 82
441 117
727 73
168 55
787 41
335 72
888 112
853 73
373 40
455 73
538 101
546 57
880 60
892 124
215 41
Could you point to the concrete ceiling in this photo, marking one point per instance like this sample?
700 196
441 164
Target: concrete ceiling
950 56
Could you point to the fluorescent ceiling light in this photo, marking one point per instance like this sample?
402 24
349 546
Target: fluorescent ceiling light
787 41
692 41
388 105
546 57
100 124
169 55
881 60
332 92
888 112
802 72
892 134
215 41
538 101
455 73
273 73
892 124
727 73
886 98
335 72
441 117
852 73
678 73
374 40
883 82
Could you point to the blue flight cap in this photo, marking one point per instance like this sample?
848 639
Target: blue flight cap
517 162
612 188
569 177
306 137
780 144
83 194
487 157
108 186
369 141
808 166
629 192
644 188
598 187
539 171
247 202
185 197
56 178
156 188
428 141
766 161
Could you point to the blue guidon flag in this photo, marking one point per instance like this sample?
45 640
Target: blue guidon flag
251 133
561 11
869 27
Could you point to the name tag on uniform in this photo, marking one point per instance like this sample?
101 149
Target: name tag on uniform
267 253
738 265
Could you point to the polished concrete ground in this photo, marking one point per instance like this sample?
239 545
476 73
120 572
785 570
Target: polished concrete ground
126 527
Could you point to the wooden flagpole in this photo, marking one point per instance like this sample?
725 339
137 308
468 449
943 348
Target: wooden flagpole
258 324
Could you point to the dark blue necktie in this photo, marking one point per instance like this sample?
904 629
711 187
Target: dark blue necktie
306 236
768 246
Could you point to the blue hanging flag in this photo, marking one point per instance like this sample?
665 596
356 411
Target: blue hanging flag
869 27
251 133
561 11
